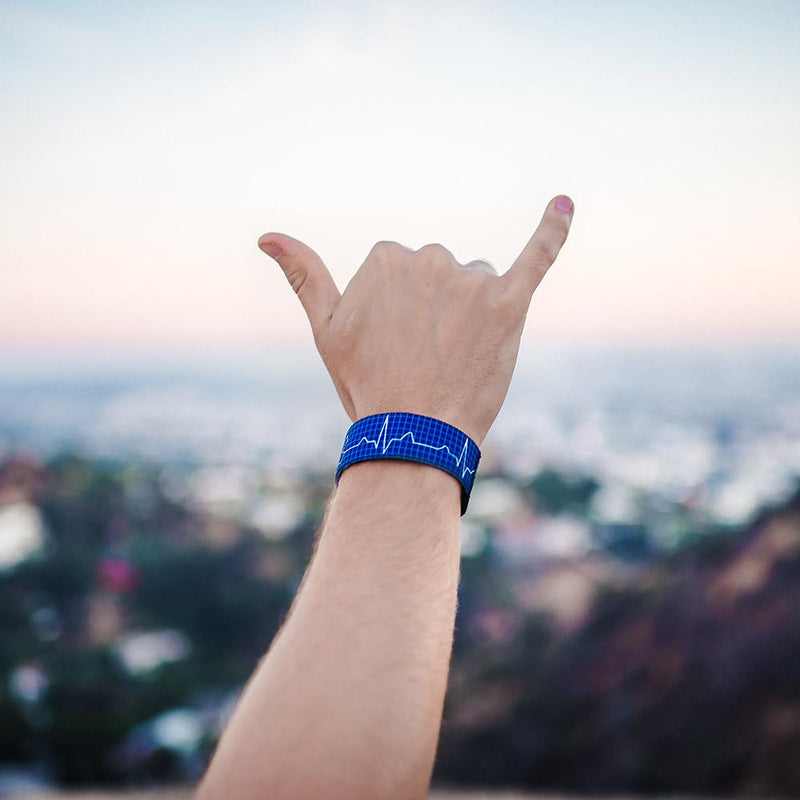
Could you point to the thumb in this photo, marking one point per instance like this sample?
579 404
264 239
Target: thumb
306 273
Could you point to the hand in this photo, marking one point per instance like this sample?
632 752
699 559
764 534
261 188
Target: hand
415 330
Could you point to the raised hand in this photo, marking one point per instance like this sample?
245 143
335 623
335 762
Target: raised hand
417 331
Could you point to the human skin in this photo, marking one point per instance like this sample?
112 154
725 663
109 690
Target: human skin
347 703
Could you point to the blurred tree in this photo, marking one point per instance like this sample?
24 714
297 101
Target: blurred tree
555 493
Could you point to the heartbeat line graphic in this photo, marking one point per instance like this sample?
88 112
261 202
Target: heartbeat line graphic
383 443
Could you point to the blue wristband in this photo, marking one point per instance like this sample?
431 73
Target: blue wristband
413 437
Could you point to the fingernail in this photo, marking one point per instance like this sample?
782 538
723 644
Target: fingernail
564 204
271 249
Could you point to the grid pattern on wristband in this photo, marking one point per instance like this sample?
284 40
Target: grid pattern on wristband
413 437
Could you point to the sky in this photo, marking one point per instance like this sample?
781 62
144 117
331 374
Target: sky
144 147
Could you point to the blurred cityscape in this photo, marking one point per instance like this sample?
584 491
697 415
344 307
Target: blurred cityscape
629 615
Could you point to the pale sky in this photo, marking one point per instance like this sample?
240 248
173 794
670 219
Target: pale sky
145 147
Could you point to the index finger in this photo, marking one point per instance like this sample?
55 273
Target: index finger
531 265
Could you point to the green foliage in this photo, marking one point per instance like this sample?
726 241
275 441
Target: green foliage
555 493
216 598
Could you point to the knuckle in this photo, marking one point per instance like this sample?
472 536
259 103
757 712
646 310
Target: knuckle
385 251
435 253
297 278
380 250
544 250
479 265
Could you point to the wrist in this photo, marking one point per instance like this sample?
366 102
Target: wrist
393 487
406 436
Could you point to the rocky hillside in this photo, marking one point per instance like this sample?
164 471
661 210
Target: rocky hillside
683 677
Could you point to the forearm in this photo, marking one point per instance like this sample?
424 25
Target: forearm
348 701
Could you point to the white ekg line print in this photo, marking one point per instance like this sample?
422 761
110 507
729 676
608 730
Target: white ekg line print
387 443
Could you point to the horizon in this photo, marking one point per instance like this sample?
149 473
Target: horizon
258 360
